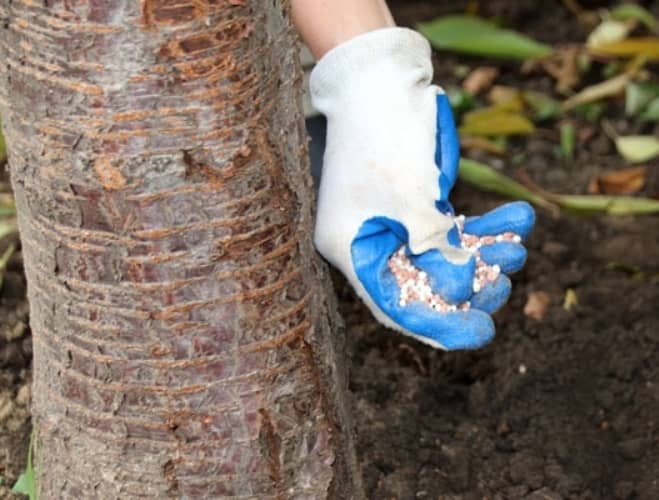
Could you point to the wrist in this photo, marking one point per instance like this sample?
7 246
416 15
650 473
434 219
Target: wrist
325 25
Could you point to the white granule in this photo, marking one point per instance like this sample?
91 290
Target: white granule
414 283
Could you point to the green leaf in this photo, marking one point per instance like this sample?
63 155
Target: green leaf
460 71
612 69
4 258
26 483
472 35
608 31
461 100
498 123
568 140
7 209
543 106
639 95
613 205
629 11
7 228
488 179
591 111
638 148
651 113
584 62
634 272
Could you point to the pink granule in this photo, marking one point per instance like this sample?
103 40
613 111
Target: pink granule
414 283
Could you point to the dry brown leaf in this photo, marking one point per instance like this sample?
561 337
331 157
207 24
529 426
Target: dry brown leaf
473 8
562 65
624 181
537 305
508 98
570 300
594 186
585 134
480 79
482 143
607 88
645 46
585 17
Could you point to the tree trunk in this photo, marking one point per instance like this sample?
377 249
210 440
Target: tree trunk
183 343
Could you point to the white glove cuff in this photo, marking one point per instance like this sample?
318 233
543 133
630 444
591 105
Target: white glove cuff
396 53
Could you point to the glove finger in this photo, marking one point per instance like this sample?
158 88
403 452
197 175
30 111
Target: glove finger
510 257
493 295
517 217
452 282
447 149
377 240
454 330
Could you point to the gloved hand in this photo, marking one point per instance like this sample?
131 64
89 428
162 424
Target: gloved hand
390 162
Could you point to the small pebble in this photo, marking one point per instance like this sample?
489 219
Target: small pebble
6 406
23 395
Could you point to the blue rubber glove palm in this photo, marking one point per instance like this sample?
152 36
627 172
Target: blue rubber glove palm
390 163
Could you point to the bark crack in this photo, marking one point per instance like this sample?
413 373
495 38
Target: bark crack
271 447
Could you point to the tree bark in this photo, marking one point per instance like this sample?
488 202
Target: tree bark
185 341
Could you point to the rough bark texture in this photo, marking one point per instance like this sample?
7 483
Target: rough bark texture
183 346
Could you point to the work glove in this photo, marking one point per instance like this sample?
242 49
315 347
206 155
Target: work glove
390 163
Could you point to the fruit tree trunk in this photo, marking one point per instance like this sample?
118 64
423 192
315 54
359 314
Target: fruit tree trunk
185 342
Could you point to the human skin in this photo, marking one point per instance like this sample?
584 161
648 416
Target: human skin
324 24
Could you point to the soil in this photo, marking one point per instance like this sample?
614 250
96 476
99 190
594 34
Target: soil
563 407
15 357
